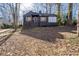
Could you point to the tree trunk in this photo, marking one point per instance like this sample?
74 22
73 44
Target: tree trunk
46 7
69 20
17 6
50 7
58 11
58 14
78 25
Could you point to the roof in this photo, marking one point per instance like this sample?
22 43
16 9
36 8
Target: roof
44 14
39 14
31 13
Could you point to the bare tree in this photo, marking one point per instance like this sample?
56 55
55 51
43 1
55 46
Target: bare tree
78 23
58 9
36 7
48 7
58 13
70 7
16 15
44 7
4 9
14 9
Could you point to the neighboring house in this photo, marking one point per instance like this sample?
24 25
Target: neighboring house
33 19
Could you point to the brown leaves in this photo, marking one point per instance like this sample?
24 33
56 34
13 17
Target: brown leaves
21 44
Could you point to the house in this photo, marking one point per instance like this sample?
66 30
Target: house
33 19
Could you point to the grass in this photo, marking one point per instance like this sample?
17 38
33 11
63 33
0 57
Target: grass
74 41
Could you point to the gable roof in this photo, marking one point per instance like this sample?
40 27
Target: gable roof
44 14
39 14
31 13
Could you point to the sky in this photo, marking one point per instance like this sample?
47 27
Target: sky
29 6
26 6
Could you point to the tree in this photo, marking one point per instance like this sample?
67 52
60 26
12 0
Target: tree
69 20
36 7
17 7
48 7
58 14
14 9
40 7
11 11
4 10
78 24
58 9
44 7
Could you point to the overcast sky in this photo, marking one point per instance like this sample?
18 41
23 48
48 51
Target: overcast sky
26 6
29 6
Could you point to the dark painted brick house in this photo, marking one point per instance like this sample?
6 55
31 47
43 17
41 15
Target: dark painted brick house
33 19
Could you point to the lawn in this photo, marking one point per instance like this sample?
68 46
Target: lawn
61 40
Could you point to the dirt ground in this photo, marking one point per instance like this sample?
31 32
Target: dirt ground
42 41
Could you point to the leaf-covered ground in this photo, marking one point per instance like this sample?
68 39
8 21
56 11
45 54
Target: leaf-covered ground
42 41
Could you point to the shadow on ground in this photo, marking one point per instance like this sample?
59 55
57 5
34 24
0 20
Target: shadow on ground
66 29
4 38
50 34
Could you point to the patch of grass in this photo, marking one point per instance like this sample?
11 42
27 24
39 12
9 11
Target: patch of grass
74 40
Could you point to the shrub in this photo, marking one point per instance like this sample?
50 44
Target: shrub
64 22
74 22
59 21
5 26
20 26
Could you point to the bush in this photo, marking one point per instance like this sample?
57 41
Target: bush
19 26
74 22
64 22
59 21
5 26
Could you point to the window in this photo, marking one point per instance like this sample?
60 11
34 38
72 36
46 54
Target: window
43 18
28 18
52 19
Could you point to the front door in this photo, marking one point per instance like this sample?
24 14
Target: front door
35 21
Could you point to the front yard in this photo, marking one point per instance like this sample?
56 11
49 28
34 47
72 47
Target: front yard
42 41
